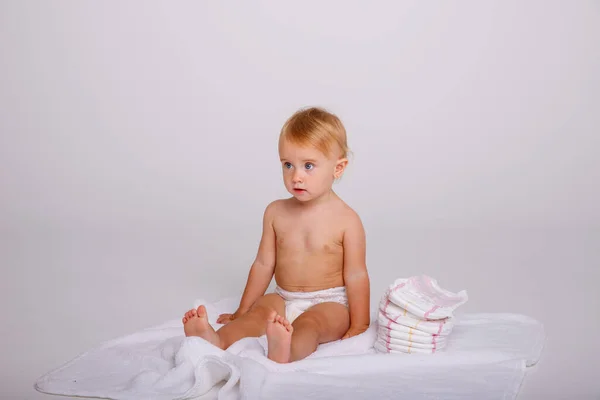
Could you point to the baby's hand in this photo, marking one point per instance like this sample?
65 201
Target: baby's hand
354 331
225 318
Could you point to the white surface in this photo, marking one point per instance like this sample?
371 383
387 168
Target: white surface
474 127
485 359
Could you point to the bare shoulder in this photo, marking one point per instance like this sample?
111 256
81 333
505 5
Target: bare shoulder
272 209
273 206
276 209
350 218
279 205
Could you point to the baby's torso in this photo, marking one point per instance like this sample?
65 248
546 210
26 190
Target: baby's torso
310 253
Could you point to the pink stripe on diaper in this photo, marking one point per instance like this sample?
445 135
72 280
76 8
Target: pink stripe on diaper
389 324
387 339
430 311
387 303
437 334
398 286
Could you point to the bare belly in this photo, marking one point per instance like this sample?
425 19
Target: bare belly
309 273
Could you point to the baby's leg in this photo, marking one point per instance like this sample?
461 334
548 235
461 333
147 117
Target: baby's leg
319 324
251 324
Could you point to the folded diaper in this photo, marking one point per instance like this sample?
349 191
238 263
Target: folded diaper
393 327
416 316
394 317
407 337
434 344
383 346
423 297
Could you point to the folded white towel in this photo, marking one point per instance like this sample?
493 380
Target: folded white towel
423 297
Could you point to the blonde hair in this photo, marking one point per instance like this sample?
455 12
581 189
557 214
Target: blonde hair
318 128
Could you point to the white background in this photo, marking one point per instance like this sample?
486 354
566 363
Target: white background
138 149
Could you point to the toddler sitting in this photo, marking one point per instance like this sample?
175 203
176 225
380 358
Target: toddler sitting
313 243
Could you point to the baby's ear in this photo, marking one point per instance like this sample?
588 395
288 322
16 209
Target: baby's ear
340 167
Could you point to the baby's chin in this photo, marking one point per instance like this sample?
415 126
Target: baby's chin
301 196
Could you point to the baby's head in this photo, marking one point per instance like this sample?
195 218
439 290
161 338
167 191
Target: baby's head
313 152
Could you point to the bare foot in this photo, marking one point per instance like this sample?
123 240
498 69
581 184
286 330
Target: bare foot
195 323
279 338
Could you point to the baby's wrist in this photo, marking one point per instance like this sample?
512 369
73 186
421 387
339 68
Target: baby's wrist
239 312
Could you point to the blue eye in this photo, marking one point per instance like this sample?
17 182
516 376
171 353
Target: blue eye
287 165
308 166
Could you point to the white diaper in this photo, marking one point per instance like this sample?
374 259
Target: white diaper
297 303
384 347
397 318
422 296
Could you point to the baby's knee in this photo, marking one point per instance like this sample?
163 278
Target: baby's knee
308 321
268 304
262 311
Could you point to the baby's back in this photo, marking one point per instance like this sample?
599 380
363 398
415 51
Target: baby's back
310 252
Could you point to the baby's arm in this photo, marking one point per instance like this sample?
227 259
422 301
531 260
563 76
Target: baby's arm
356 277
263 267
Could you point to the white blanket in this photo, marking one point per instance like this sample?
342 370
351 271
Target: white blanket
485 358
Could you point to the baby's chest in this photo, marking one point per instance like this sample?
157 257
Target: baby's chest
317 238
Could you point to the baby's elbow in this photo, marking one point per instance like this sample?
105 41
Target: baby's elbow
266 264
357 275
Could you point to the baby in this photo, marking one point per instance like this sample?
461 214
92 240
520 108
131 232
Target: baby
312 243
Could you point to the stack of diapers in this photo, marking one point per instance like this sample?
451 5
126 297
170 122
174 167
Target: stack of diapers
416 316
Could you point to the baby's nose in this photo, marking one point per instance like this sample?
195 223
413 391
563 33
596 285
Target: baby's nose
297 177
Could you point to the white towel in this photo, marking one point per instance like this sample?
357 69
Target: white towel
422 296
484 359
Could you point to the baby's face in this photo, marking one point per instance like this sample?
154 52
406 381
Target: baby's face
307 172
